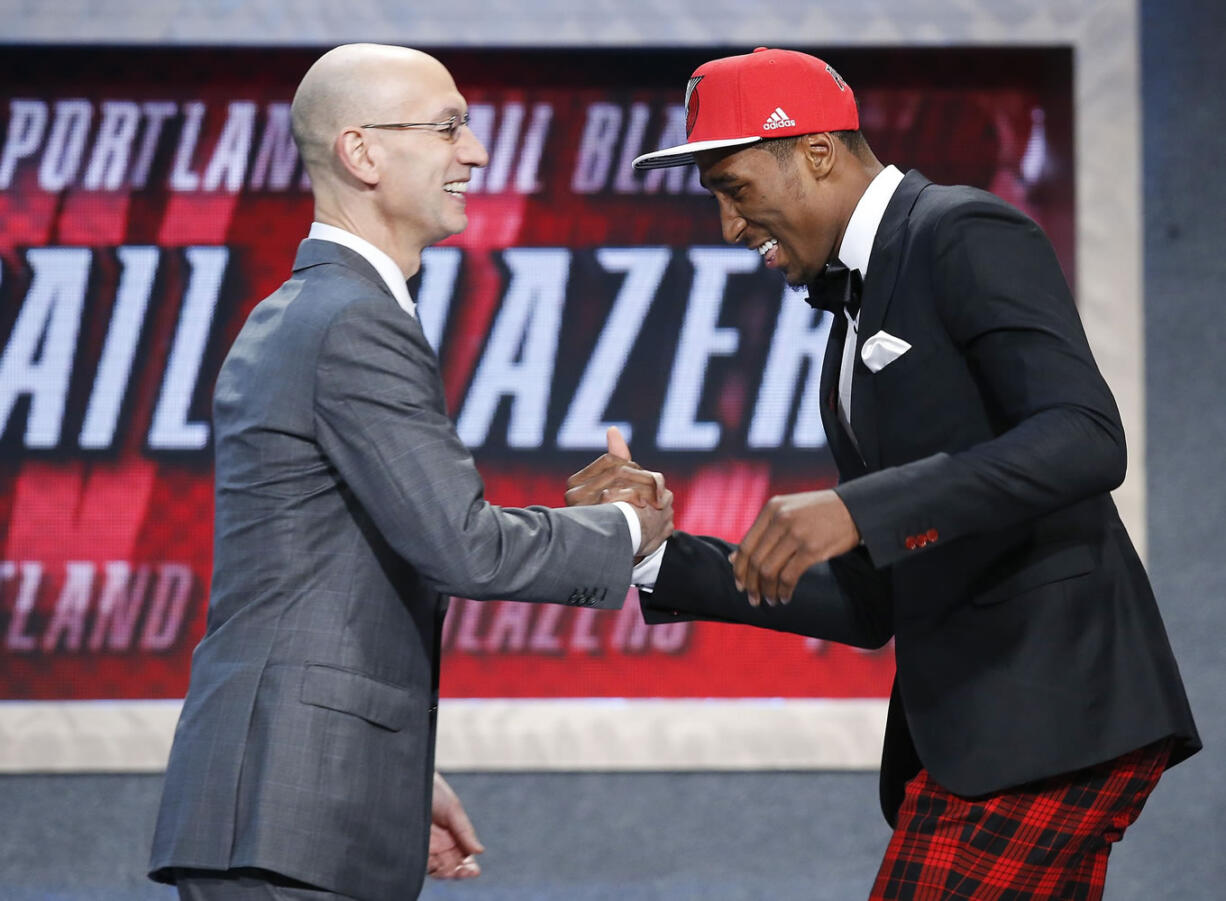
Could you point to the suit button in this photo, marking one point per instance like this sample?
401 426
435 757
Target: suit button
933 535
910 543
921 540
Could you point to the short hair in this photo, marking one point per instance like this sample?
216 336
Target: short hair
782 148
853 140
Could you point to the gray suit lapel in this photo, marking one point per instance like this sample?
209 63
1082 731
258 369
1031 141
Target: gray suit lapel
315 252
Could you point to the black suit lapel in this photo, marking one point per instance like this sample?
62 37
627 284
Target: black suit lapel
878 291
844 452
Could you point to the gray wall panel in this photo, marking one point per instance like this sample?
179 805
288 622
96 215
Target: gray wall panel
1177 847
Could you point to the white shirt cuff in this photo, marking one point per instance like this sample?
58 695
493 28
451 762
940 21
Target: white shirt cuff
632 520
646 573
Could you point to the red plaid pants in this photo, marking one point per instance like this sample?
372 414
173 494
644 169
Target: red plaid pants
1044 840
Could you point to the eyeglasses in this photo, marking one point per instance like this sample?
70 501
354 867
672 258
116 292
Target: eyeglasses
449 128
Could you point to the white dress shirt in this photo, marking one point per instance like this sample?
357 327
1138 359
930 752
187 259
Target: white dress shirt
854 253
396 283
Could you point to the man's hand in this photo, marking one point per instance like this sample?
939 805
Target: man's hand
615 477
453 841
657 525
792 532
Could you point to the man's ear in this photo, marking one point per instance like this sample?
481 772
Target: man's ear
357 155
820 152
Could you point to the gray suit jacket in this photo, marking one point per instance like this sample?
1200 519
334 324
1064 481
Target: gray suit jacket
346 510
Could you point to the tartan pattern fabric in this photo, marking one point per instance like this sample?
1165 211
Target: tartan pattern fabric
1048 839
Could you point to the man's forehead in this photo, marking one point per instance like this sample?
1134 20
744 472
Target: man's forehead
435 109
419 101
419 80
719 167
436 96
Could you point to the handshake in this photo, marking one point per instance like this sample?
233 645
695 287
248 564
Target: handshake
791 533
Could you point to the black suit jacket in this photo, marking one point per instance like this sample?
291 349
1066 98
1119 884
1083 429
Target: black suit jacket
1027 638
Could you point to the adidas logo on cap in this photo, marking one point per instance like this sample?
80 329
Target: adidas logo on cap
778 119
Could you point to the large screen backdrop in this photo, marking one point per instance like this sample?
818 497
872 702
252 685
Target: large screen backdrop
150 198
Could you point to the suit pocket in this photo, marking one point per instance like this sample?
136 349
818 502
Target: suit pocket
1065 563
381 703
902 367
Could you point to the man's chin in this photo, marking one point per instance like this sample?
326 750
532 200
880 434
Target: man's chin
454 226
796 277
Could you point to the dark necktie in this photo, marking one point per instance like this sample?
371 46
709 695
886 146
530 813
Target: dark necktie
836 289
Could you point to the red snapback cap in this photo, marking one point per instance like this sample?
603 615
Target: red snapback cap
755 96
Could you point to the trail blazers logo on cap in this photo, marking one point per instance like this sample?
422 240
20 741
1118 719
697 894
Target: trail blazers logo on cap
838 79
691 104
778 119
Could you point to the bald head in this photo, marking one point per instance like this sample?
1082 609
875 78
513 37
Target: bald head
400 189
355 84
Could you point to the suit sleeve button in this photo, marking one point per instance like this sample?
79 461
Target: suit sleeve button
910 543
933 535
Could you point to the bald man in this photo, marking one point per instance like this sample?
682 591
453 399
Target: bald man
347 509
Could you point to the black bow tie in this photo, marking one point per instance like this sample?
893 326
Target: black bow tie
836 289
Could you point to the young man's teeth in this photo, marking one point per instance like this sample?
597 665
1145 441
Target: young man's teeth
456 187
767 246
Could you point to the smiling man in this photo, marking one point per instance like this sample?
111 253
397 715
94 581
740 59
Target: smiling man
347 509
1036 700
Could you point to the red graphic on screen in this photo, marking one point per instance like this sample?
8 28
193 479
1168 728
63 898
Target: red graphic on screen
141 219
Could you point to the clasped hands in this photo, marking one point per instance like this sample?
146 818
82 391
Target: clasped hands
615 477
791 533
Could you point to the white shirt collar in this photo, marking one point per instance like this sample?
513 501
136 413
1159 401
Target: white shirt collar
866 218
384 265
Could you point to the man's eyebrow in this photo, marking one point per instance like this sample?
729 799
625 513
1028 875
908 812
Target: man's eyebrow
718 181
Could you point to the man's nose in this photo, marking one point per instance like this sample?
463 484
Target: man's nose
471 151
731 223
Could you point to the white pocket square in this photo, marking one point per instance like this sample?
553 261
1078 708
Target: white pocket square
881 350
